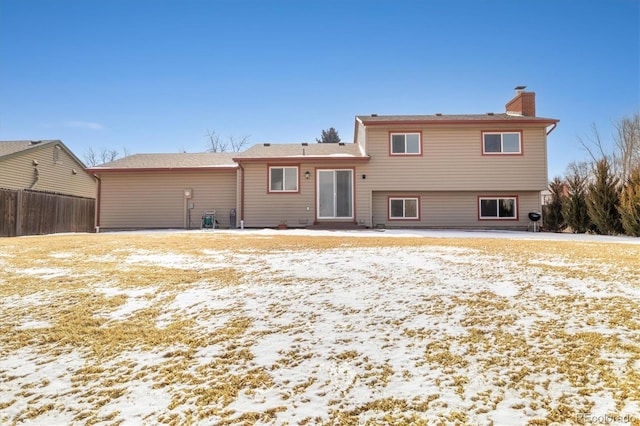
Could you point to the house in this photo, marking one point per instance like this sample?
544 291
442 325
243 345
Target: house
44 189
47 166
462 171
165 190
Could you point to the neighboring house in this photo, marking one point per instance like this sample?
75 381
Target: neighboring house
462 171
165 190
47 166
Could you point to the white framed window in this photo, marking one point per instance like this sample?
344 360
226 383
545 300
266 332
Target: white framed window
405 143
404 208
504 208
283 179
501 142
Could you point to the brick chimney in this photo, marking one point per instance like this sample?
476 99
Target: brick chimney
524 103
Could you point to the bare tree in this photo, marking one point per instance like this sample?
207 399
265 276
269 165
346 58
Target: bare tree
626 157
217 144
237 143
90 157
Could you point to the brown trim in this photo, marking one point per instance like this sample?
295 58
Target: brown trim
404 197
459 122
517 218
300 160
241 192
270 166
98 198
405 132
502 154
353 194
162 169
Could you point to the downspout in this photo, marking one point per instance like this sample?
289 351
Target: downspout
241 193
98 202
36 174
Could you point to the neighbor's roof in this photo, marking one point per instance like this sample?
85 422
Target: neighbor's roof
12 148
302 151
451 119
150 162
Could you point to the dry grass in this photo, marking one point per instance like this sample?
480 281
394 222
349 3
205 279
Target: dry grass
102 298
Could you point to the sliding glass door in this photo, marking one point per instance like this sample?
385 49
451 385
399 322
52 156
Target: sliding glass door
335 194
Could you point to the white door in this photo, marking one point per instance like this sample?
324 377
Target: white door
335 194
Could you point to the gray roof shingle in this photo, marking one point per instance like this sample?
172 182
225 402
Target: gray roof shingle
12 147
449 118
170 161
311 150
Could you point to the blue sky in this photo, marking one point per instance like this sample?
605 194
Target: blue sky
153 76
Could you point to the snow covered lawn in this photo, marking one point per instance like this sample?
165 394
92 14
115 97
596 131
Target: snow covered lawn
296 327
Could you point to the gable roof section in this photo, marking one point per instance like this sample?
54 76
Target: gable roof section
165 162
382 120
9 149
302 152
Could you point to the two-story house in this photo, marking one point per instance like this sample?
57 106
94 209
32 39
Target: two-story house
462 171
44 166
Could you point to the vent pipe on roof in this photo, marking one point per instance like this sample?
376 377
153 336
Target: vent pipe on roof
341 143
305 144
267 144
438 114
374 115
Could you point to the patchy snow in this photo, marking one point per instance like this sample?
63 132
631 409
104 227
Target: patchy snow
444 333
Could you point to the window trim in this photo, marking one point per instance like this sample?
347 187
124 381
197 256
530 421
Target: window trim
283 191
404 198
501 132
498 197
405 154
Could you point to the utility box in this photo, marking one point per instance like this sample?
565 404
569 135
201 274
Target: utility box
232 218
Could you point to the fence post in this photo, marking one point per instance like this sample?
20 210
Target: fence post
18 221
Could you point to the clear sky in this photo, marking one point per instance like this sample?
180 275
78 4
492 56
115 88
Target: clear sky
154 75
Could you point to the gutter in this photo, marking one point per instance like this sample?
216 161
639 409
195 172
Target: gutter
241 193
553 127
98 197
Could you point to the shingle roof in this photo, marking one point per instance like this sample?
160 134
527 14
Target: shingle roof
297 150
170 161
12 147
451 118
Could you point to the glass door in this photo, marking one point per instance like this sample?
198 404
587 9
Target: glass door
335 194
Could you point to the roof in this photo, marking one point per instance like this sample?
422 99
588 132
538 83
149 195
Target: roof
13 148
302 151
452 119
189 161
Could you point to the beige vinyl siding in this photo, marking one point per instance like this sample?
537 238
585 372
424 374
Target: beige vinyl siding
453 209
156 199
263 209
18 172
452 160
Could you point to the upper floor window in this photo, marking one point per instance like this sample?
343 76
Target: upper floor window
405 144
498 207
283 179
501 143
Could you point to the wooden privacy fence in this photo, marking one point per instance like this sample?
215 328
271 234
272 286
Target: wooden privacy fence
24 212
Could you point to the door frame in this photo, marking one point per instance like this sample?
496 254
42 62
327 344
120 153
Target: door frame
353 194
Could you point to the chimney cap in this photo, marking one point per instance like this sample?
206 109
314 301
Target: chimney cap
520 87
